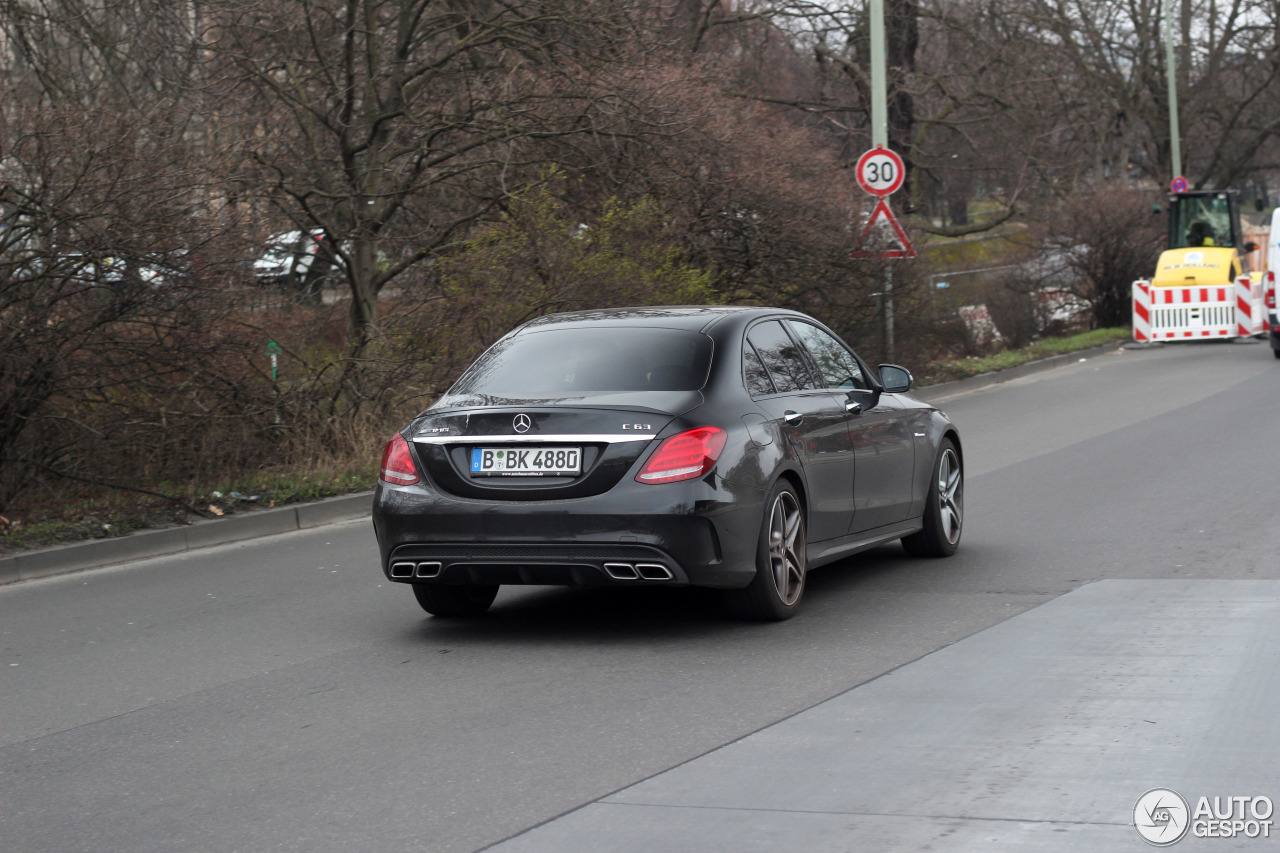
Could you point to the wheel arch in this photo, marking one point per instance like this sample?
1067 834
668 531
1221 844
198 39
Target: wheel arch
796 481
951 433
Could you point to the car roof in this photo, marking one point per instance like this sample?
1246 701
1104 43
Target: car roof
691 317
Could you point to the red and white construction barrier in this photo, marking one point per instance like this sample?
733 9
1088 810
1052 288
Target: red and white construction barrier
1141 311
1182 313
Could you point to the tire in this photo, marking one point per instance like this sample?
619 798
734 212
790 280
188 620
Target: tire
774 593
1276 353
944 508
462 600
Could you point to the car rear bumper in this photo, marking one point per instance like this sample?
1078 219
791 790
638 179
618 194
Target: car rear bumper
677 534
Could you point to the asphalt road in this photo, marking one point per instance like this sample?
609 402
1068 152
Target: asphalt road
278 695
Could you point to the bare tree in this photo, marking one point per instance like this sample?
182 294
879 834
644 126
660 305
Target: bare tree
1106 239
1020 101
1090 79
107 261
394 126
77 51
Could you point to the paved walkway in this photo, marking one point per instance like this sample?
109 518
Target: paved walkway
1038 734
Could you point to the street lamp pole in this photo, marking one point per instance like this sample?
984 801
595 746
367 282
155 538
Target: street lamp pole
1175 135
879 88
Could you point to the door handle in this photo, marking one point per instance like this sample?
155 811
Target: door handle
793 418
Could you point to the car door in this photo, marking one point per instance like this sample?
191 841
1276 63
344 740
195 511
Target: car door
879 430
810 418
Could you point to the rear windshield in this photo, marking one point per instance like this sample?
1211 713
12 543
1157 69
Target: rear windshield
576 361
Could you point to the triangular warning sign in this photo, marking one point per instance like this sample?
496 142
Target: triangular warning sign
876 234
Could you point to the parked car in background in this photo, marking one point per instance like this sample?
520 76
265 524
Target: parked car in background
296 261
732 448
119 272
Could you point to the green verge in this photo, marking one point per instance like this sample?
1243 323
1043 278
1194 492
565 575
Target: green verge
101 513
947 371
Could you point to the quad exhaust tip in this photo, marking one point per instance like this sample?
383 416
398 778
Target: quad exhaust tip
638 571
622 571
415 570
427 570
654 572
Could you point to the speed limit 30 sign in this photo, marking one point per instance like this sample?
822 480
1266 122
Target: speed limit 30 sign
880 172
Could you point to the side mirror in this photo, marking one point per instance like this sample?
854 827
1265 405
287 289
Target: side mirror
895 379
1250 247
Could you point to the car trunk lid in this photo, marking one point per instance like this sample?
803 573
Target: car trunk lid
540 450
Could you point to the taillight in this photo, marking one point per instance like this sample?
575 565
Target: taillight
397 463
1271 290
685 456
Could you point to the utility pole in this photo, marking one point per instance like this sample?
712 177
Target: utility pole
879 88
1171 67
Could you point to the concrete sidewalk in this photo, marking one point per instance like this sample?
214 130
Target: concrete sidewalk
1037 734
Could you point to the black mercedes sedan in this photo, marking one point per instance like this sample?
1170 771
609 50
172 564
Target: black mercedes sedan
724 447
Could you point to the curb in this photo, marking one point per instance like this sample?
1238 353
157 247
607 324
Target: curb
98 553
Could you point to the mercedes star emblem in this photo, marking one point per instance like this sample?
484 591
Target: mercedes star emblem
522 423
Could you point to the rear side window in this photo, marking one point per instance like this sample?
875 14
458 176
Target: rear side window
758 382
835 364
573 361
782 360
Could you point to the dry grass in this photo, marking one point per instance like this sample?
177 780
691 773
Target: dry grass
945 371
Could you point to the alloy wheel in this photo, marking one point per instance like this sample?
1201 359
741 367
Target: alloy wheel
787 548
950 495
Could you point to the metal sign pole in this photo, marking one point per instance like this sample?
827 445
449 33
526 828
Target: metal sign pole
880 137
888 313
273 350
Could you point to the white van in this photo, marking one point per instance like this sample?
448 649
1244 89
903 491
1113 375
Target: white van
296 260
1270 284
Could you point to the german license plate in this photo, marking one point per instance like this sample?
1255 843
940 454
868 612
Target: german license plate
525 461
